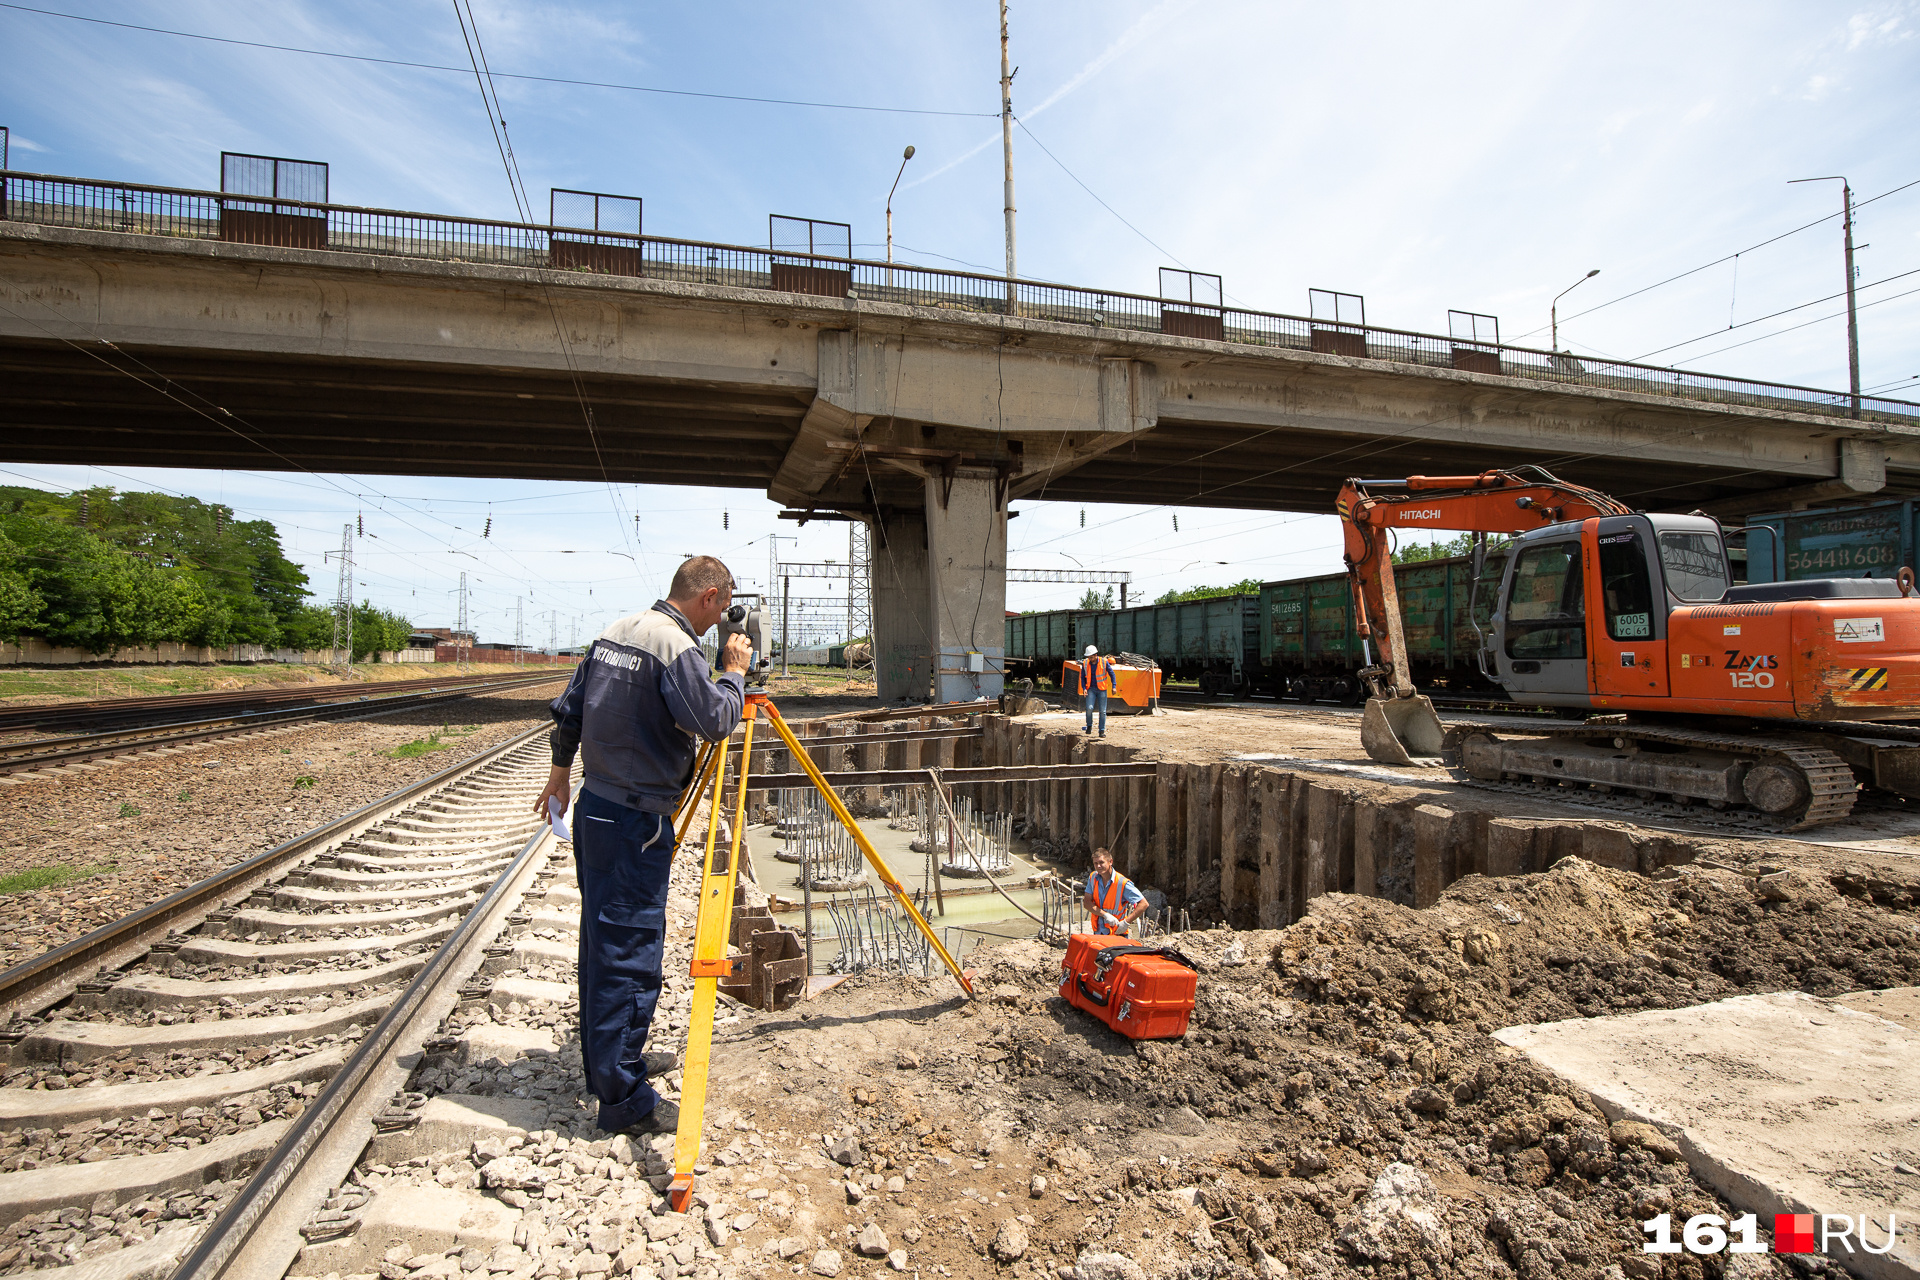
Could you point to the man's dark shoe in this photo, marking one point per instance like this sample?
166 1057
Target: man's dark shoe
664 1118
660 1061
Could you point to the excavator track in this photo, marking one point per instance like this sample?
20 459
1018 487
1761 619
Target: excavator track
1829 779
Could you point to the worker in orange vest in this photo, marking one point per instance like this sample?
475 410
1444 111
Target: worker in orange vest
1097 679
1113 901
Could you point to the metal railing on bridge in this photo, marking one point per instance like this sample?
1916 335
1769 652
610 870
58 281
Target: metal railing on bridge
200 215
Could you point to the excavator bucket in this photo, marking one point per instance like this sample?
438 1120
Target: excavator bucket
1396 730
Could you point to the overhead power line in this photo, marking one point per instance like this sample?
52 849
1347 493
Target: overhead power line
502 75
1731 256
1785 311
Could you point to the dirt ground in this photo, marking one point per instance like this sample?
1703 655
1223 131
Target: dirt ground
1337 1108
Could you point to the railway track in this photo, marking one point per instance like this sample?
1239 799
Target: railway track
256 1027
46 753
102 713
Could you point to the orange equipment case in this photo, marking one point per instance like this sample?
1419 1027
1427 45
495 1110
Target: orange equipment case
1144 993
1138 692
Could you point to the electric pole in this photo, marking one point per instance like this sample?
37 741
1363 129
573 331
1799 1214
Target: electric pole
343 598
460 636
519 630
1006 145
1853 325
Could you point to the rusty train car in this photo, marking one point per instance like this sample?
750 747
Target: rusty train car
1294 639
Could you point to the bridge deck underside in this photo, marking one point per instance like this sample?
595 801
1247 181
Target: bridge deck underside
65 403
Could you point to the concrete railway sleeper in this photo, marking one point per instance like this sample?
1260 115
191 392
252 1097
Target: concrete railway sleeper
150 1070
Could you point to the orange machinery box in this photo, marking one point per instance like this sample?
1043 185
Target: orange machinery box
1139 689
1144 993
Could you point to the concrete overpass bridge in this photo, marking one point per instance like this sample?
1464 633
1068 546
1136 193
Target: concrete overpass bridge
168 327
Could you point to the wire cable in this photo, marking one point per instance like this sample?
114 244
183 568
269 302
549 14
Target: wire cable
1858 205
505 75
1714 333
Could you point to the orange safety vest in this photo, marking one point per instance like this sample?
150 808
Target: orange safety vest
1108 902
1099 674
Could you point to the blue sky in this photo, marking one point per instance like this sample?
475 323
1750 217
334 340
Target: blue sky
1472 156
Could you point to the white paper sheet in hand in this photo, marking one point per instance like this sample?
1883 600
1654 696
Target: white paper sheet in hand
557 819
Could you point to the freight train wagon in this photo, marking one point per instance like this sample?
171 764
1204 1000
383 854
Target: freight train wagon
1308 647
1871 541
1295 639
1206 640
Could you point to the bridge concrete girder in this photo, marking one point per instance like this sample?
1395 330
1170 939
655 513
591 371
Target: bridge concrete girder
180 352
899 402
353 361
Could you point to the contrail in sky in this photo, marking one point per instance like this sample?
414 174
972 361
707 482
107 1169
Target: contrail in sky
1127 39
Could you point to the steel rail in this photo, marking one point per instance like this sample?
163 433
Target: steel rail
110 709
36 753
258 1234
36 984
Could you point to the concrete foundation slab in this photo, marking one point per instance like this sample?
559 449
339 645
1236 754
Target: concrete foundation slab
1784 1103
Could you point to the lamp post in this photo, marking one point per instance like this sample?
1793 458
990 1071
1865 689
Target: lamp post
1853 328
904 157
1555 310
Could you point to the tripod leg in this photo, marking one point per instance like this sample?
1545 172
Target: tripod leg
710 964
872 855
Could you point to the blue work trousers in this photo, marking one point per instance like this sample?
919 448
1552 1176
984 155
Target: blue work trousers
1097 700
622 858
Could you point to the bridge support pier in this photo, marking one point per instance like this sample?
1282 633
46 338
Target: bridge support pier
940 592
902 645
967 582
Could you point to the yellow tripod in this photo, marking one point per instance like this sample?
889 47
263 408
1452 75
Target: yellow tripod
714 923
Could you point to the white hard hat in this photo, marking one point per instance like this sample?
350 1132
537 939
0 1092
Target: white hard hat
1091 650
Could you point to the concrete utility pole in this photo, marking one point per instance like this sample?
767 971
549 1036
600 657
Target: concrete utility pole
1006 144
519 630
1853 326
460 628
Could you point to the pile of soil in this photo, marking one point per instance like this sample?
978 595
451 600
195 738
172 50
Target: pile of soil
1338 1107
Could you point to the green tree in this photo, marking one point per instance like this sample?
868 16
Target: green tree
376 630
1244 587
310 627
1094 598
99 570
1410 552
20 604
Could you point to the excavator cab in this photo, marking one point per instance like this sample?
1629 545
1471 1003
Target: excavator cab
1583 607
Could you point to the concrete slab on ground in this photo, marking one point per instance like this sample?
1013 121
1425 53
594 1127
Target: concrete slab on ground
1783 1102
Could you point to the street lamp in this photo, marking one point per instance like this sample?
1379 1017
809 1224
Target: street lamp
1853 330
1556 305
1189 564
904 157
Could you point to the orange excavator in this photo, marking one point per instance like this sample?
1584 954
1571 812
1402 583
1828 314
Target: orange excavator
1767 700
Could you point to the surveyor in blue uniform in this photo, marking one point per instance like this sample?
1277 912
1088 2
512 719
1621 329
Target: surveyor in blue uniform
635 708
